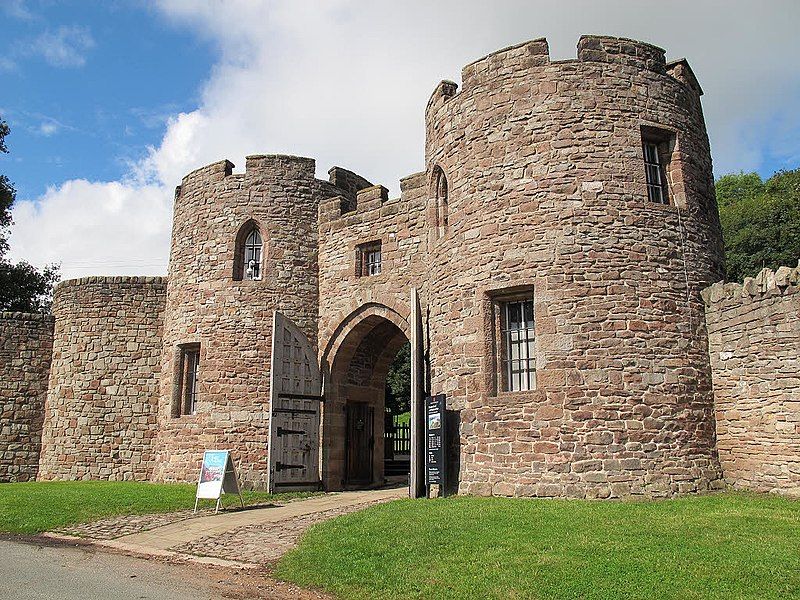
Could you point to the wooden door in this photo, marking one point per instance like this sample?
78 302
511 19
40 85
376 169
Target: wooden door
359 443
295 398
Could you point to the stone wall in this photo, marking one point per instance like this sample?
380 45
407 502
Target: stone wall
754 343
101 404
26 347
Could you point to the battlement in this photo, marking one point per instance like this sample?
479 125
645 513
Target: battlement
371 203
767 282
257 166
590 49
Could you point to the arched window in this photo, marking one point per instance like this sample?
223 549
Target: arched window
248 259
439 189
252 255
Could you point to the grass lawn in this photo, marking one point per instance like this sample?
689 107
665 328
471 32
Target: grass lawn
717 546
43 505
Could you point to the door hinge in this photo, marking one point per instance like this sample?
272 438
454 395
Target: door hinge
279 466
282 431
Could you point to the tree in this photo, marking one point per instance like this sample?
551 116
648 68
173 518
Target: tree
398 382
760 221
22 287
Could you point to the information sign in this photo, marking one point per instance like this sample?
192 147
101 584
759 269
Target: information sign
217 477
435 440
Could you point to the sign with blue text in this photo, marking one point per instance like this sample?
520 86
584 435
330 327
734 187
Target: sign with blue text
217 477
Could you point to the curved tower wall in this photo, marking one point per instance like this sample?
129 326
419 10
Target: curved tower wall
100 415
26 347
547 196
231 319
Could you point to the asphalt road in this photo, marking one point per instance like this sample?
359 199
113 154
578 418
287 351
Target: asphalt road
33 572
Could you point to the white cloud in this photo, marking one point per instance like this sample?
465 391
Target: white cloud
65 47
48 128
346 82
17 9
95 228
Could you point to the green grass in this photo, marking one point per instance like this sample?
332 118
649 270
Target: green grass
41 506
718 546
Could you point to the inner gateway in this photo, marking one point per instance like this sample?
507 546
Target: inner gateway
355 419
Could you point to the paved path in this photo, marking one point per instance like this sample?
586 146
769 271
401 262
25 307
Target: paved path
235 529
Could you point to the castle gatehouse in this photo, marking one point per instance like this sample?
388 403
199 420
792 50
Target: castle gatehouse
546 269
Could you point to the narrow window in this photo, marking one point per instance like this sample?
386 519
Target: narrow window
519 355
439 192
252 255
368 259
187 365
654 170
442 207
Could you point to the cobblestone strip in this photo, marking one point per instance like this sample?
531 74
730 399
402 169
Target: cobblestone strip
263 543
115 527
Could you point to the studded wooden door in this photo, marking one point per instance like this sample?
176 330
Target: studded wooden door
295 398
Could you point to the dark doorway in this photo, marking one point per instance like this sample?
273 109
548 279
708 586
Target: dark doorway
359 443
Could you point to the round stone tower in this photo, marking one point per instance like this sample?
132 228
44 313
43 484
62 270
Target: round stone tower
219 314
538 191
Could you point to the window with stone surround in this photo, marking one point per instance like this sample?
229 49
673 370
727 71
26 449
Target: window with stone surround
184 389
657 151
510 317
368 259
249 254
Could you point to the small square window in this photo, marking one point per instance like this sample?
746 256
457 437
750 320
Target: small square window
187 366
368 259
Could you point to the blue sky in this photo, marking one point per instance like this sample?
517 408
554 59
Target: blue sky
112 102
88 86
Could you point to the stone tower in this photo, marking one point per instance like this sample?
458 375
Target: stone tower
212 305
547 198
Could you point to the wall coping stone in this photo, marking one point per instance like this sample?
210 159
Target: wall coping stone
784 279
23 316
107 279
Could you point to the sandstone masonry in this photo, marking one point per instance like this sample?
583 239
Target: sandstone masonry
26 345
754 343
100 416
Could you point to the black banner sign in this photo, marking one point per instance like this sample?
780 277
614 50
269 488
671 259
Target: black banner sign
435 440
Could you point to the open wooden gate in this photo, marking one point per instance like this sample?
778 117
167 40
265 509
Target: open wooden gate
295 399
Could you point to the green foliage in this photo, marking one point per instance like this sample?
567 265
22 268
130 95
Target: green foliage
45 505
760 221
398 382
715 546
22 287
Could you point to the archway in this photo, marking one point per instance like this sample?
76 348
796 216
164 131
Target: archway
354 424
